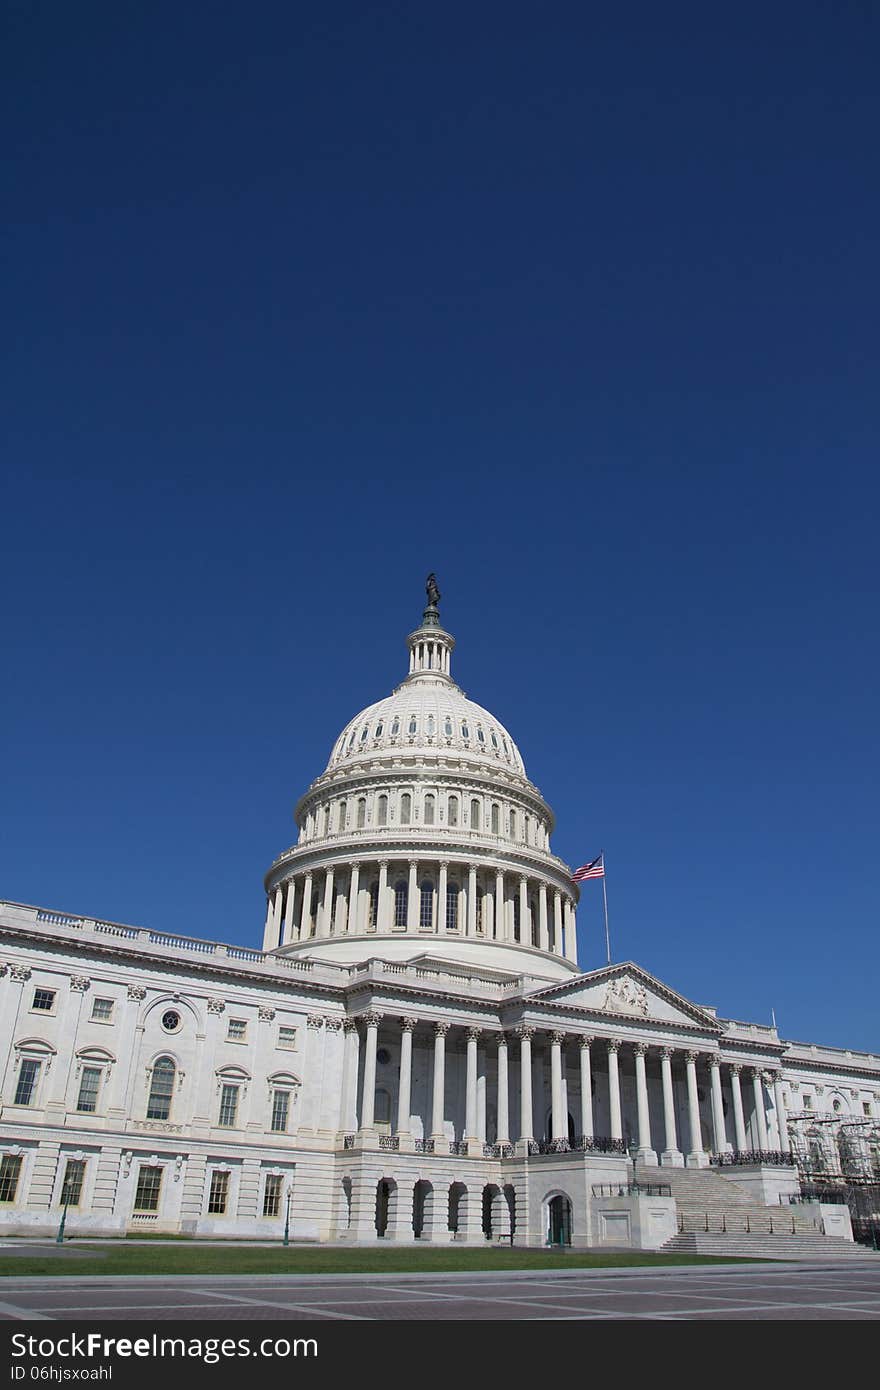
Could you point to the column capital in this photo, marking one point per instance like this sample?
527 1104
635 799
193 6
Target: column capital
372 1019
640 1049
332 1023
714 1061
557 894
754 1073
735 1068
413 863
667 1053
313 1020
444 863
523 878
585 1041
349 1025
473 1033
504 1038
80 983
524 1032
776 1078
440 1030
383 863
557 1038
613 1044
407 1024
692 1058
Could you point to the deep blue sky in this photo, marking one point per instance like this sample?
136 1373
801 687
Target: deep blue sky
576 305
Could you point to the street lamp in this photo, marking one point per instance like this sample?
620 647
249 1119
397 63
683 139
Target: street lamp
59 1239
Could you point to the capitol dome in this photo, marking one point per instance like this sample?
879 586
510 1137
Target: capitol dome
424 836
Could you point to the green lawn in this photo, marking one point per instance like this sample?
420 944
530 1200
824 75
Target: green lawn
147 1258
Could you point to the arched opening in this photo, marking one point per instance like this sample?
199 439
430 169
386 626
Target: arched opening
386 1191
423 1200
495 821
346 1203
509 1195
161 1089
491 1194
429 809
382 810
457 1207
452 811
405 808
475 814
361 812
559 1220
341 821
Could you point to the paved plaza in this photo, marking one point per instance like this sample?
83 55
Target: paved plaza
758 1292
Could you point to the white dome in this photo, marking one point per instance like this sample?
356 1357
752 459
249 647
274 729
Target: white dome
427 715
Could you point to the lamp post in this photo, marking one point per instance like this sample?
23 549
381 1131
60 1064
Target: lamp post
59 1239
286 1240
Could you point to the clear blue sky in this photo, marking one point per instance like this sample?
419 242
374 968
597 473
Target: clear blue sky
576 305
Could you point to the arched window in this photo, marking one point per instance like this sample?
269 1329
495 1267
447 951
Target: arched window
395 727
326 819
401 901
379 727
161 1089
513 825
353 736
373 907
452 907
364 732
341 821
382 811
426 903
465 731
429 724
412 724
447 727
362 812
481 737
405 808
475 814
494 739
495 818
527 829
452 810
429 809
506 749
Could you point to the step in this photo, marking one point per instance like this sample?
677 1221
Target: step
769 1247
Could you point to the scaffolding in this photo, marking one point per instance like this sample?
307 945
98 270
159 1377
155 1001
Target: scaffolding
838 1159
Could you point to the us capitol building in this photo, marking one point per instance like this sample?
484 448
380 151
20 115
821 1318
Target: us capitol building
414 1054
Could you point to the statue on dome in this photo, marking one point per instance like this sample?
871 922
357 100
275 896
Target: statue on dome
432 591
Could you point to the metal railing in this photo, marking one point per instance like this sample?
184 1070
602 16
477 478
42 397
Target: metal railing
740 1158
581 1143
631 1189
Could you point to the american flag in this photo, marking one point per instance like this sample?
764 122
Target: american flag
595 869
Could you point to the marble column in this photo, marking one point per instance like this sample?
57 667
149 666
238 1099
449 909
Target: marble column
718 1127
276 914
586 1089
305 921
503 1135
382 906
570 932
696 1156
353 896
543 930
438 1098
671 1156
525 935
350 1055
288 911
526 1123
646 1150
558 1120
614 1089
760 1115
412 897
558 938
368 1099
472 900
470 1107
404 1094
739 1119
327 904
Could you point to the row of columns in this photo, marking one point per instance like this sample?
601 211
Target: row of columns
558 1108
345 914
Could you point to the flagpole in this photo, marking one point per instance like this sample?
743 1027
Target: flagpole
605 900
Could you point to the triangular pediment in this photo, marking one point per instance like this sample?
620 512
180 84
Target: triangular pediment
627 991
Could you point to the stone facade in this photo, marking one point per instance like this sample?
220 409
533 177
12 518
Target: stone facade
414 1054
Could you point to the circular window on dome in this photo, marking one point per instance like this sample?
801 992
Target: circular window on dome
383 1056
171 1020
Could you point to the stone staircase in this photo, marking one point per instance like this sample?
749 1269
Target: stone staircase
718 1217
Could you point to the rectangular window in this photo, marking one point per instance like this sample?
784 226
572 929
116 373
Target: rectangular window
237 1030
28 1076
71 1188
808 1102
286 1037
866 1107
280 1111
10 1172
228 1107
44 999
149 1185
102 1010
89 1085
272 1195
218 1194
